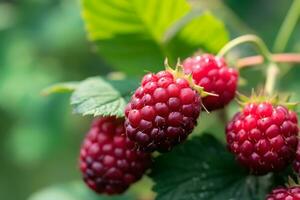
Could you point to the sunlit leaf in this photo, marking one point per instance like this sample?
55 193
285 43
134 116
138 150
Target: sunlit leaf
130 34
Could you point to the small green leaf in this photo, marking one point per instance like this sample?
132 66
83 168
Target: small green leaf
202 169
60 88
73 191
97 96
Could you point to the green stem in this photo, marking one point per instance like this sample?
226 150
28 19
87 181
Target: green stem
287 27
247 39
272 70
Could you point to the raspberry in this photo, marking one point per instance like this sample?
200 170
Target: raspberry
107 161
162 112
263 137
296 163
214 76
292 193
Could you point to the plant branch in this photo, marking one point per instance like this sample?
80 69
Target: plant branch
272 70
247 39
287 27
258 59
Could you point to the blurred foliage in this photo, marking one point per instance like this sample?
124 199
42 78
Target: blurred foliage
77 190
41 42
72 191
44 42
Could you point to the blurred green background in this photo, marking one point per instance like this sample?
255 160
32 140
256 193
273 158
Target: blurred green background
44 42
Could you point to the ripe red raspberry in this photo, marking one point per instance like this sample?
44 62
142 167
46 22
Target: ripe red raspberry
263 137
107 161
214 76
162 112
292 193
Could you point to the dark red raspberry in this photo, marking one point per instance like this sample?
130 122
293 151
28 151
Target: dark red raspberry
214 76
107 161
263 137
292 193
162 112
296 163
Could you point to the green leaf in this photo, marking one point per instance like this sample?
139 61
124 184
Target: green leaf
73 191
131 16
97 96
202 169
130 34
60 88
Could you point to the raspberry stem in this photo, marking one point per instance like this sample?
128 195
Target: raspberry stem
272 70
258 59
247 39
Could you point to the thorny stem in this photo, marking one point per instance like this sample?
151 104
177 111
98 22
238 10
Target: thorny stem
272 69
287 27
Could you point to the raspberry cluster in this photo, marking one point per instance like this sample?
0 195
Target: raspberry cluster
162 112
107 161
292 193
214 76
263 137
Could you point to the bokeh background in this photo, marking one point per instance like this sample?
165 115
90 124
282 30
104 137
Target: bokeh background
44 42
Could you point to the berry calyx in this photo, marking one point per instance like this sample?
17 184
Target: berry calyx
282 193
107 160
263 137
213 74
162 112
